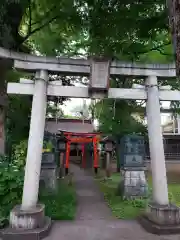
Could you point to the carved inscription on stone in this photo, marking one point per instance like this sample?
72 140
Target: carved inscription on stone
100 74
21 222
132 151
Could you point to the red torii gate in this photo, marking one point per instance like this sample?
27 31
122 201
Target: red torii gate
82 138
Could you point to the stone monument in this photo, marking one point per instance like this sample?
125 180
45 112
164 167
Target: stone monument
132 167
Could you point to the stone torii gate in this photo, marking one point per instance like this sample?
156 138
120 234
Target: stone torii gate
30 215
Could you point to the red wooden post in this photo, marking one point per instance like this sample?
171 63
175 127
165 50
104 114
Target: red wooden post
61 164
83 156
68 144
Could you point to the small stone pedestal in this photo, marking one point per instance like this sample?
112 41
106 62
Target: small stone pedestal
49 171
30 225
161 219
134 184
49 175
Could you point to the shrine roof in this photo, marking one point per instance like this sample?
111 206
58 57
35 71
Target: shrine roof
68 120
75 134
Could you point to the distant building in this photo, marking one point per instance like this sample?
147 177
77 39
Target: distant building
172 125
69 125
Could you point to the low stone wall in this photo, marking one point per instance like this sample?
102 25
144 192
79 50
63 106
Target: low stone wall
171 166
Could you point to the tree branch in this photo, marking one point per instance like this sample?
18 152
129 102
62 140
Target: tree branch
157 48
39 28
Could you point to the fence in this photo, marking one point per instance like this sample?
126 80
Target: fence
171 151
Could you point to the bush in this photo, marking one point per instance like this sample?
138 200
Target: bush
11 185
62 205
19 153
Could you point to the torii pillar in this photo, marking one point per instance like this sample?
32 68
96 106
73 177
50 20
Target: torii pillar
29 216
161 217
159 178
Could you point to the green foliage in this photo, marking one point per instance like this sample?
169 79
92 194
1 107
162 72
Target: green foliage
130 209
118 29
54 112
48 146
11 183
17 115
120 208
115 116
139 203
59 206
19 153
62 205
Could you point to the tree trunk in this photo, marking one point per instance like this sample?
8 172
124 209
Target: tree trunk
2 131
4 66
11 13
174 22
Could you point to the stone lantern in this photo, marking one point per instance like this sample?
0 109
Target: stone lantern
108 143
99 75
61 145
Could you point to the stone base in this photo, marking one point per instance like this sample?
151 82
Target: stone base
30 224
161 219
30 219
32 234
134 184
158 229
163 215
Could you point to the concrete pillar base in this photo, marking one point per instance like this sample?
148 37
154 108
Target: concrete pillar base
31 223
134 184
161 219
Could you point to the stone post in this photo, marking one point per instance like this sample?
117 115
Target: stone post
178 123
161 217
109 149
28 220
61 167
108 164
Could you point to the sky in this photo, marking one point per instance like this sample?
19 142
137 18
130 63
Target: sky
70 105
